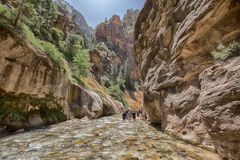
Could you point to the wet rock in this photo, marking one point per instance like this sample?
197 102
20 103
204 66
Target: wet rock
35 120
12 124
19 131
3 129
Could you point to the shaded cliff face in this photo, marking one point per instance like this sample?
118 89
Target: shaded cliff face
35 92
185 89
119 36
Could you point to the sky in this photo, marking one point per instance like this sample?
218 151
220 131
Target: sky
95 11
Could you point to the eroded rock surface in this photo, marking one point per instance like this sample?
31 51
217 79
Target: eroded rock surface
219 101
192 95
35 92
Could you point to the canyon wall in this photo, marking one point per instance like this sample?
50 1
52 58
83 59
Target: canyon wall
118 35
35 92
187 89
79 18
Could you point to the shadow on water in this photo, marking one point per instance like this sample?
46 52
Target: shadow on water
7 133
157 126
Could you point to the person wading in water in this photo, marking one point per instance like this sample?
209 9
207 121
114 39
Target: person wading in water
129 115
134 115
124 115
145 117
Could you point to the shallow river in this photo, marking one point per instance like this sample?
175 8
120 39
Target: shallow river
106 138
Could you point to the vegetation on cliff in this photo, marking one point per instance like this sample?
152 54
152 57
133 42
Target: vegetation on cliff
49 27
16 110
226 52
53 45
117 36
36 25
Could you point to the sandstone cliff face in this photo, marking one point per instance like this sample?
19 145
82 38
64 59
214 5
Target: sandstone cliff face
192 95
112 32
34 92
119 36
102 59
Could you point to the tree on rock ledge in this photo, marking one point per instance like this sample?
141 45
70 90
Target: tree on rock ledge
19 12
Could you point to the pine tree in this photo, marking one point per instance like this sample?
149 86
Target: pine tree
129 84
75 44
114 73
19 12
81 63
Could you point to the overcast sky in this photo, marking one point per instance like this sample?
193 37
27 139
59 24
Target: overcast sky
95 11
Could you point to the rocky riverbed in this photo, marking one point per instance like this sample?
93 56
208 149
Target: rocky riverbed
105 138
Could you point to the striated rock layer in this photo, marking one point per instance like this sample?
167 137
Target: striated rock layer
192 95
34 92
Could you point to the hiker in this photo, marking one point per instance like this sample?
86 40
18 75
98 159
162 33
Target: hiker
134 115
140 113
145 116
124 115
129 115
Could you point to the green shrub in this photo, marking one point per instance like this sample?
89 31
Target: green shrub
232 50
46 34
74 44
50 50
7 13
51 116
13 106
81 63
19 116
129 83
105 80
57 35
17 107
62 47
116 92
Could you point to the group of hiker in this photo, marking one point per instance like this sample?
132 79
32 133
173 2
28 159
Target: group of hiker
133 115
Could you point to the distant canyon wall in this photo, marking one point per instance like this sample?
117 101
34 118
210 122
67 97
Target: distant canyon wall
118 35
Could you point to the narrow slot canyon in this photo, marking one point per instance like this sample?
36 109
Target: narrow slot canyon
119 79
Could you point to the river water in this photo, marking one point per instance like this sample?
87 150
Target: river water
104 139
